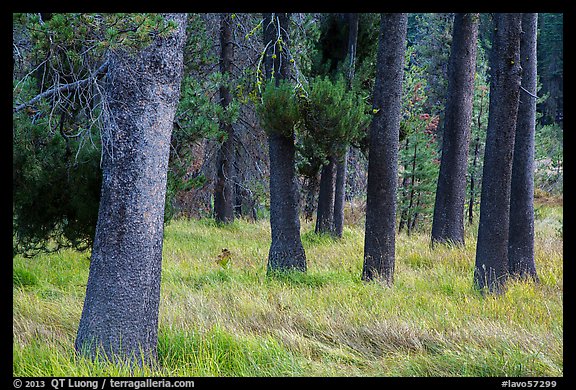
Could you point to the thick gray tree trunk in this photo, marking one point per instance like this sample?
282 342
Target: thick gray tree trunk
120 315
286 250
448 221
379 251
521 231
224 188
492 247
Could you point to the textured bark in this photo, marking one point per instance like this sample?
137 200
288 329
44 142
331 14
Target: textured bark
325 211
224 189
491 267
448 221
521 231
379 251
120 315
286 250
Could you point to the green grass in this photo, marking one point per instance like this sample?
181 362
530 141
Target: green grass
233 320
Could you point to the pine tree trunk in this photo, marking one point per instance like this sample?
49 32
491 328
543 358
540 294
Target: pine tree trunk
239 160
342 161
404 192
340 194
224 188
120 315
473 182
412 189
238 212
286 250
521 232
473 176
492 246
379 251
416 213
325 211
448 220
311 190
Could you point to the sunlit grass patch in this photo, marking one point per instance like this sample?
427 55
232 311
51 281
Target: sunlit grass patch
218 352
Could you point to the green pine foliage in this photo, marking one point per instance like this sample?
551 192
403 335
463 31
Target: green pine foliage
56 151
55 186
333 118
278 110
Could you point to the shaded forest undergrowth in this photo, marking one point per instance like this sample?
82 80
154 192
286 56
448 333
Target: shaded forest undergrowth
220 315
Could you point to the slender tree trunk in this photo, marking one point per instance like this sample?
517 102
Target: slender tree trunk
311 190
416 213
403 218
475 162
238 196
448 220
342 161
412 188
404 193
473 181
492 247
224 188
325 212
286 250
340 194
120 315
353 19
240 193
521 231
379 251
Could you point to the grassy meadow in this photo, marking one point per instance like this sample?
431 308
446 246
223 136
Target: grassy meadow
227 318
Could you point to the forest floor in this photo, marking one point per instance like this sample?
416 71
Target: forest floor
222 316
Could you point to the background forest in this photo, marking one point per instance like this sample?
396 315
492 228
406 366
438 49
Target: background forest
220 312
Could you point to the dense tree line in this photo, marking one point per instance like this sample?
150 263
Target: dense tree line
120 119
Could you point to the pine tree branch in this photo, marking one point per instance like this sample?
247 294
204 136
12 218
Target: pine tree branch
101 71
